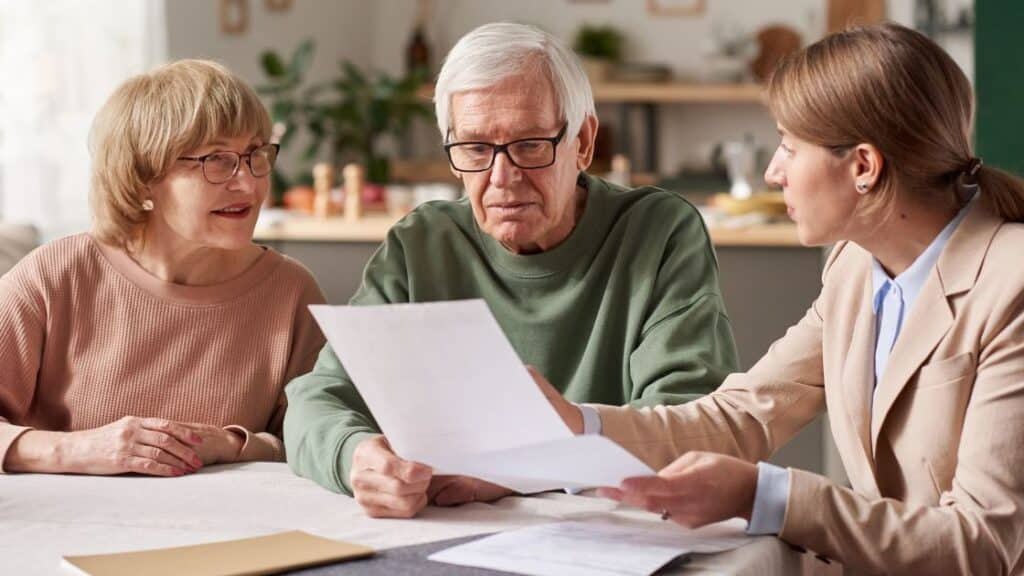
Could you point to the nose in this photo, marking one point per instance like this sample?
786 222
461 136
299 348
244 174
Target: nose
503 171
774 175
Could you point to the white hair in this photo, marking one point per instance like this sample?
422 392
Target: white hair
497 51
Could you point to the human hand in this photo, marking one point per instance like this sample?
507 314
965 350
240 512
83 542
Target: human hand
569 412
455 490
698 488
385 485
152 446
219 446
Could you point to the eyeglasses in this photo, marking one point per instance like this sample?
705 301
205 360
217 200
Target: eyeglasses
527 153
219 167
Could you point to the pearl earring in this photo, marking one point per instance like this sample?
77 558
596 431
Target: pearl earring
147 205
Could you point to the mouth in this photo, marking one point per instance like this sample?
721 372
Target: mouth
234 212
510 208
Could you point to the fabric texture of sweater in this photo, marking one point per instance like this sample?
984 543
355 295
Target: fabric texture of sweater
87 336
626 310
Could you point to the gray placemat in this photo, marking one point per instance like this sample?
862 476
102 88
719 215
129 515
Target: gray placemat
404 561
412 561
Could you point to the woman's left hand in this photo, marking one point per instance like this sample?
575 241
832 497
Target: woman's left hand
698 488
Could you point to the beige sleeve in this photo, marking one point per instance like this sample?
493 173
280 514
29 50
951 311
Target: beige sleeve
258 446
750 416
22 334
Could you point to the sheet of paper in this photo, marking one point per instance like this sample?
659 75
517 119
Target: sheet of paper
448 390
260 555
591 548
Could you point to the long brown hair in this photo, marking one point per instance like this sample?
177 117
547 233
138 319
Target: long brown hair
894 88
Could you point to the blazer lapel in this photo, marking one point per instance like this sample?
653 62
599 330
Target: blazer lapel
932 315
929 320
858 374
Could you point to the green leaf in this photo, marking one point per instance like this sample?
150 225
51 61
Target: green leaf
302 58
272 65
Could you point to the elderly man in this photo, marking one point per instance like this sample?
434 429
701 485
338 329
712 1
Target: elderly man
611 293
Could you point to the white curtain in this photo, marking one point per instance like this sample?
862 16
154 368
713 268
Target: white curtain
59 61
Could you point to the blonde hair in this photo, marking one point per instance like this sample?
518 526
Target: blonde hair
152 119
897 90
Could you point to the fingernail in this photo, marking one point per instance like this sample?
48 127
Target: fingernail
197 439
197 462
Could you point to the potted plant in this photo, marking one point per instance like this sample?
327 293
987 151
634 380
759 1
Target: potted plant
600 48
346 118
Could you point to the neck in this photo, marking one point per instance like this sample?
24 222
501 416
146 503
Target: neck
906 233
181 262
559 234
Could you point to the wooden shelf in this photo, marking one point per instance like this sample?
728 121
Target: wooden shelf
374 228
665 93
670 92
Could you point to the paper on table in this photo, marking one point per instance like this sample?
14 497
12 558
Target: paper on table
591 548
261 555
448 390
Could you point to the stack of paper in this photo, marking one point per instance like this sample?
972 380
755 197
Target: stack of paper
592 548
449 391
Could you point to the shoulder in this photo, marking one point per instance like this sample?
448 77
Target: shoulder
297 278
56 261
1001 272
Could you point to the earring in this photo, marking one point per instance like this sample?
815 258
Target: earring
147 205
863 186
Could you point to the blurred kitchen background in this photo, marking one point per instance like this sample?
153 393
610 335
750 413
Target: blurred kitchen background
677 82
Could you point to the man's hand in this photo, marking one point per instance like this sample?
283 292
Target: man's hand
570 413
385 485
455 490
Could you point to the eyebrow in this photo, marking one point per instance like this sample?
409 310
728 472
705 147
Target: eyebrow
474 136
254 143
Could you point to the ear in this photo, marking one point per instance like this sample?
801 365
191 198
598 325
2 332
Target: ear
586 139
866 167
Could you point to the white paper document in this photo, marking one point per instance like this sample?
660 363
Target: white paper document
448 390
592 548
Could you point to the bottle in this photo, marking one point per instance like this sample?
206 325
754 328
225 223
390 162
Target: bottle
417 54
323 181
620 173
353 174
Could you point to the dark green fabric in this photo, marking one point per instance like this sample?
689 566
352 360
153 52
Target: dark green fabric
626 310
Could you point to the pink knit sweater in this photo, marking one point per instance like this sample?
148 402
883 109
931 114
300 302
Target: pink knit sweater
87 336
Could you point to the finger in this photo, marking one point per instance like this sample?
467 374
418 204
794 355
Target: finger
176 429
380 505
373 481
649 484
459 492
150 467
610 493
438 483
162 456
387 463
170 445
681 464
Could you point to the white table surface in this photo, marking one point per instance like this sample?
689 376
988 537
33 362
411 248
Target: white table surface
44 517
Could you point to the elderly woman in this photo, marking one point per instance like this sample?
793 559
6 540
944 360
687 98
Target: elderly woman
161 341
915 345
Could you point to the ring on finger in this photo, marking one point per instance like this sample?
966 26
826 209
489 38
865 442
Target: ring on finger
665 514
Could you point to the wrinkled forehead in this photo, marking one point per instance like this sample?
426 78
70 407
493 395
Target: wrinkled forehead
523 105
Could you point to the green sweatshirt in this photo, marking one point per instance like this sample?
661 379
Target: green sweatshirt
626 310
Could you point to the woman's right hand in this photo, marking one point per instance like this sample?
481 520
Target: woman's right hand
151 446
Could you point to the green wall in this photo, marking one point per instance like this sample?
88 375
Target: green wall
999 82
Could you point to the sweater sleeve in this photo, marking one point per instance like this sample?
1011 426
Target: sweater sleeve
306 340
327 418
686 348
22 333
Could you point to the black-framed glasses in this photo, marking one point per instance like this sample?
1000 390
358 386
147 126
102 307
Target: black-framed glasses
219 167
527 153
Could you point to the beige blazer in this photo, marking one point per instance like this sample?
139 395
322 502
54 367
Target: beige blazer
936 461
